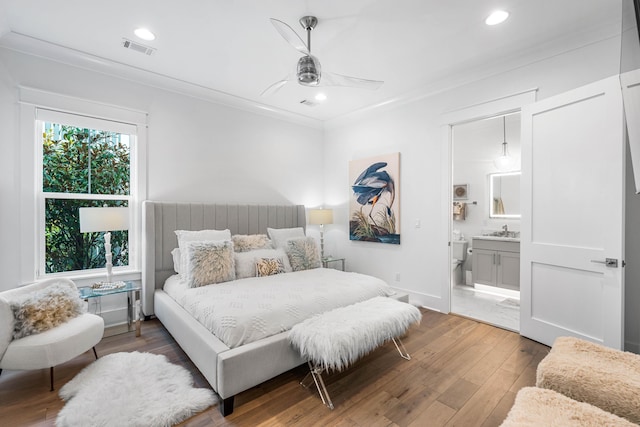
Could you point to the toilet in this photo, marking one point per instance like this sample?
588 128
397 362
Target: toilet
458 255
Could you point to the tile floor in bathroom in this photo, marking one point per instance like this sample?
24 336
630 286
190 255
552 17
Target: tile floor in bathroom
495 310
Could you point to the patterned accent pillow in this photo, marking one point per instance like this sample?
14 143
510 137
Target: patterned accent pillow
303 253
44 309
269 266
208 263
246 261
250 242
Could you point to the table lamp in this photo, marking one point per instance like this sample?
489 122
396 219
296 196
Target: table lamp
321 217
94 220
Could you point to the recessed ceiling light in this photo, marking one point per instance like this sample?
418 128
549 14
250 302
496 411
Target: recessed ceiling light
497 17
321 97
144 34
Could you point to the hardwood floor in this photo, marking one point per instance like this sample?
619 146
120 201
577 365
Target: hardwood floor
462 373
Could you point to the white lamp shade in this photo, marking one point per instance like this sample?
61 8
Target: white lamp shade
103 219
320 216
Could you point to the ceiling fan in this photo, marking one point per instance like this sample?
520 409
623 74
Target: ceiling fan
308 71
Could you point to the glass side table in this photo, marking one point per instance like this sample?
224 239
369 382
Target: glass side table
132 288
328 260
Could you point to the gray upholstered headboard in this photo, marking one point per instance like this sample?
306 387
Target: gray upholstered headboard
161 219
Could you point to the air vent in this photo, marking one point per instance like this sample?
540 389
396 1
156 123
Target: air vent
308 103
129 44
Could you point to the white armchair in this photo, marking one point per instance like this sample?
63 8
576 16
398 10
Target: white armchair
50 347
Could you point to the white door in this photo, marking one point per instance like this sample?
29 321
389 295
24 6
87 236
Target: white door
573 216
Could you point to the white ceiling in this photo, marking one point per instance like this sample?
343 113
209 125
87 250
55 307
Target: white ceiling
229 47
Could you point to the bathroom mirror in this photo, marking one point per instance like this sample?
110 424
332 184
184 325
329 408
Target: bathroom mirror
504 195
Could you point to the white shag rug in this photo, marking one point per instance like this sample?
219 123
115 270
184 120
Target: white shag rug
132 389
335 339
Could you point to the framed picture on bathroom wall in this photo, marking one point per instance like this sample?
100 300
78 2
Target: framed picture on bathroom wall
460 191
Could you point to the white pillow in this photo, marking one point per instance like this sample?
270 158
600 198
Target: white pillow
185 236
6 330
279 236
246 261
177 259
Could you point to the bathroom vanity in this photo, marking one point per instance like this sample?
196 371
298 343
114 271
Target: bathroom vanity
496 262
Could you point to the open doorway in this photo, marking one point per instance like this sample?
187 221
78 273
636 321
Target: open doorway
485 245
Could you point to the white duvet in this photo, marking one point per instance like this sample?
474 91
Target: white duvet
247 310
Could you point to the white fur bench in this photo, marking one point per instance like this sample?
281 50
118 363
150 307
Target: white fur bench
592 373
336 339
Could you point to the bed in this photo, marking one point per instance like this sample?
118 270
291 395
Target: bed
228 369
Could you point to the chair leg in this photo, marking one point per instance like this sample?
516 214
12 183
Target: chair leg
94 353
51 374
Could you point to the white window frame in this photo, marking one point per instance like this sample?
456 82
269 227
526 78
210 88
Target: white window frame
39 106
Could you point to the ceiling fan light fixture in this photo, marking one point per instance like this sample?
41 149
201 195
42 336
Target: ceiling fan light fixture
496 17
144 34
308 71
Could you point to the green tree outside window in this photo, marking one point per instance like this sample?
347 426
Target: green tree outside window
84 162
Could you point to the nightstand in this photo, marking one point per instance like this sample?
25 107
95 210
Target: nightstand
132 288
329 260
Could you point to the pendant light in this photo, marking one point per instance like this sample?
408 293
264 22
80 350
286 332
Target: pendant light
504 162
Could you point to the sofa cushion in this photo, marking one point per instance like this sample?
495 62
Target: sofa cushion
536 407
592 373
44 309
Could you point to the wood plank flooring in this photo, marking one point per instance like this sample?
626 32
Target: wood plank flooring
462 373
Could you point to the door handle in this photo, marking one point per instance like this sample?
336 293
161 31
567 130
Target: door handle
608 262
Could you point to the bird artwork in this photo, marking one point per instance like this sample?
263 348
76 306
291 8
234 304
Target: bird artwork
373 216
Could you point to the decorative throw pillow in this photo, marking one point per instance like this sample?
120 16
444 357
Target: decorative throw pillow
208 263
279 236
303 253
186 236
45 309
250 242
269 266
246 261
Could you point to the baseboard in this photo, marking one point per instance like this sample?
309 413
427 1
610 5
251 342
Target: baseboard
422 300
632 347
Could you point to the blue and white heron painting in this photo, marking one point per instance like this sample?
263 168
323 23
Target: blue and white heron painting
375 201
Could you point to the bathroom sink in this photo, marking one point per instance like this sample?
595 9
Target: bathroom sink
505 234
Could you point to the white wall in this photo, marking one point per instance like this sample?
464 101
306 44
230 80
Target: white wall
197 150
415 130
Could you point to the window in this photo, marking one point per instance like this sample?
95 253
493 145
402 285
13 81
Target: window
84 162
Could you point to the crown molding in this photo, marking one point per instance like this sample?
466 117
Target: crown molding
54 52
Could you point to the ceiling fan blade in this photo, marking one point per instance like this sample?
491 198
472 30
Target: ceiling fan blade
275 87
333 79
290 36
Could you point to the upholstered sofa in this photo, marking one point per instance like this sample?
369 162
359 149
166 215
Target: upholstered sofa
50 347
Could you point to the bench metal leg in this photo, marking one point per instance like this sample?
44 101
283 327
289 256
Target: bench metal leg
316 374
401 349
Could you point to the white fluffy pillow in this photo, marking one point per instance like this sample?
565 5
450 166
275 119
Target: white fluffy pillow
208 263
303 253
250 242
246 261
279 236
185 236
